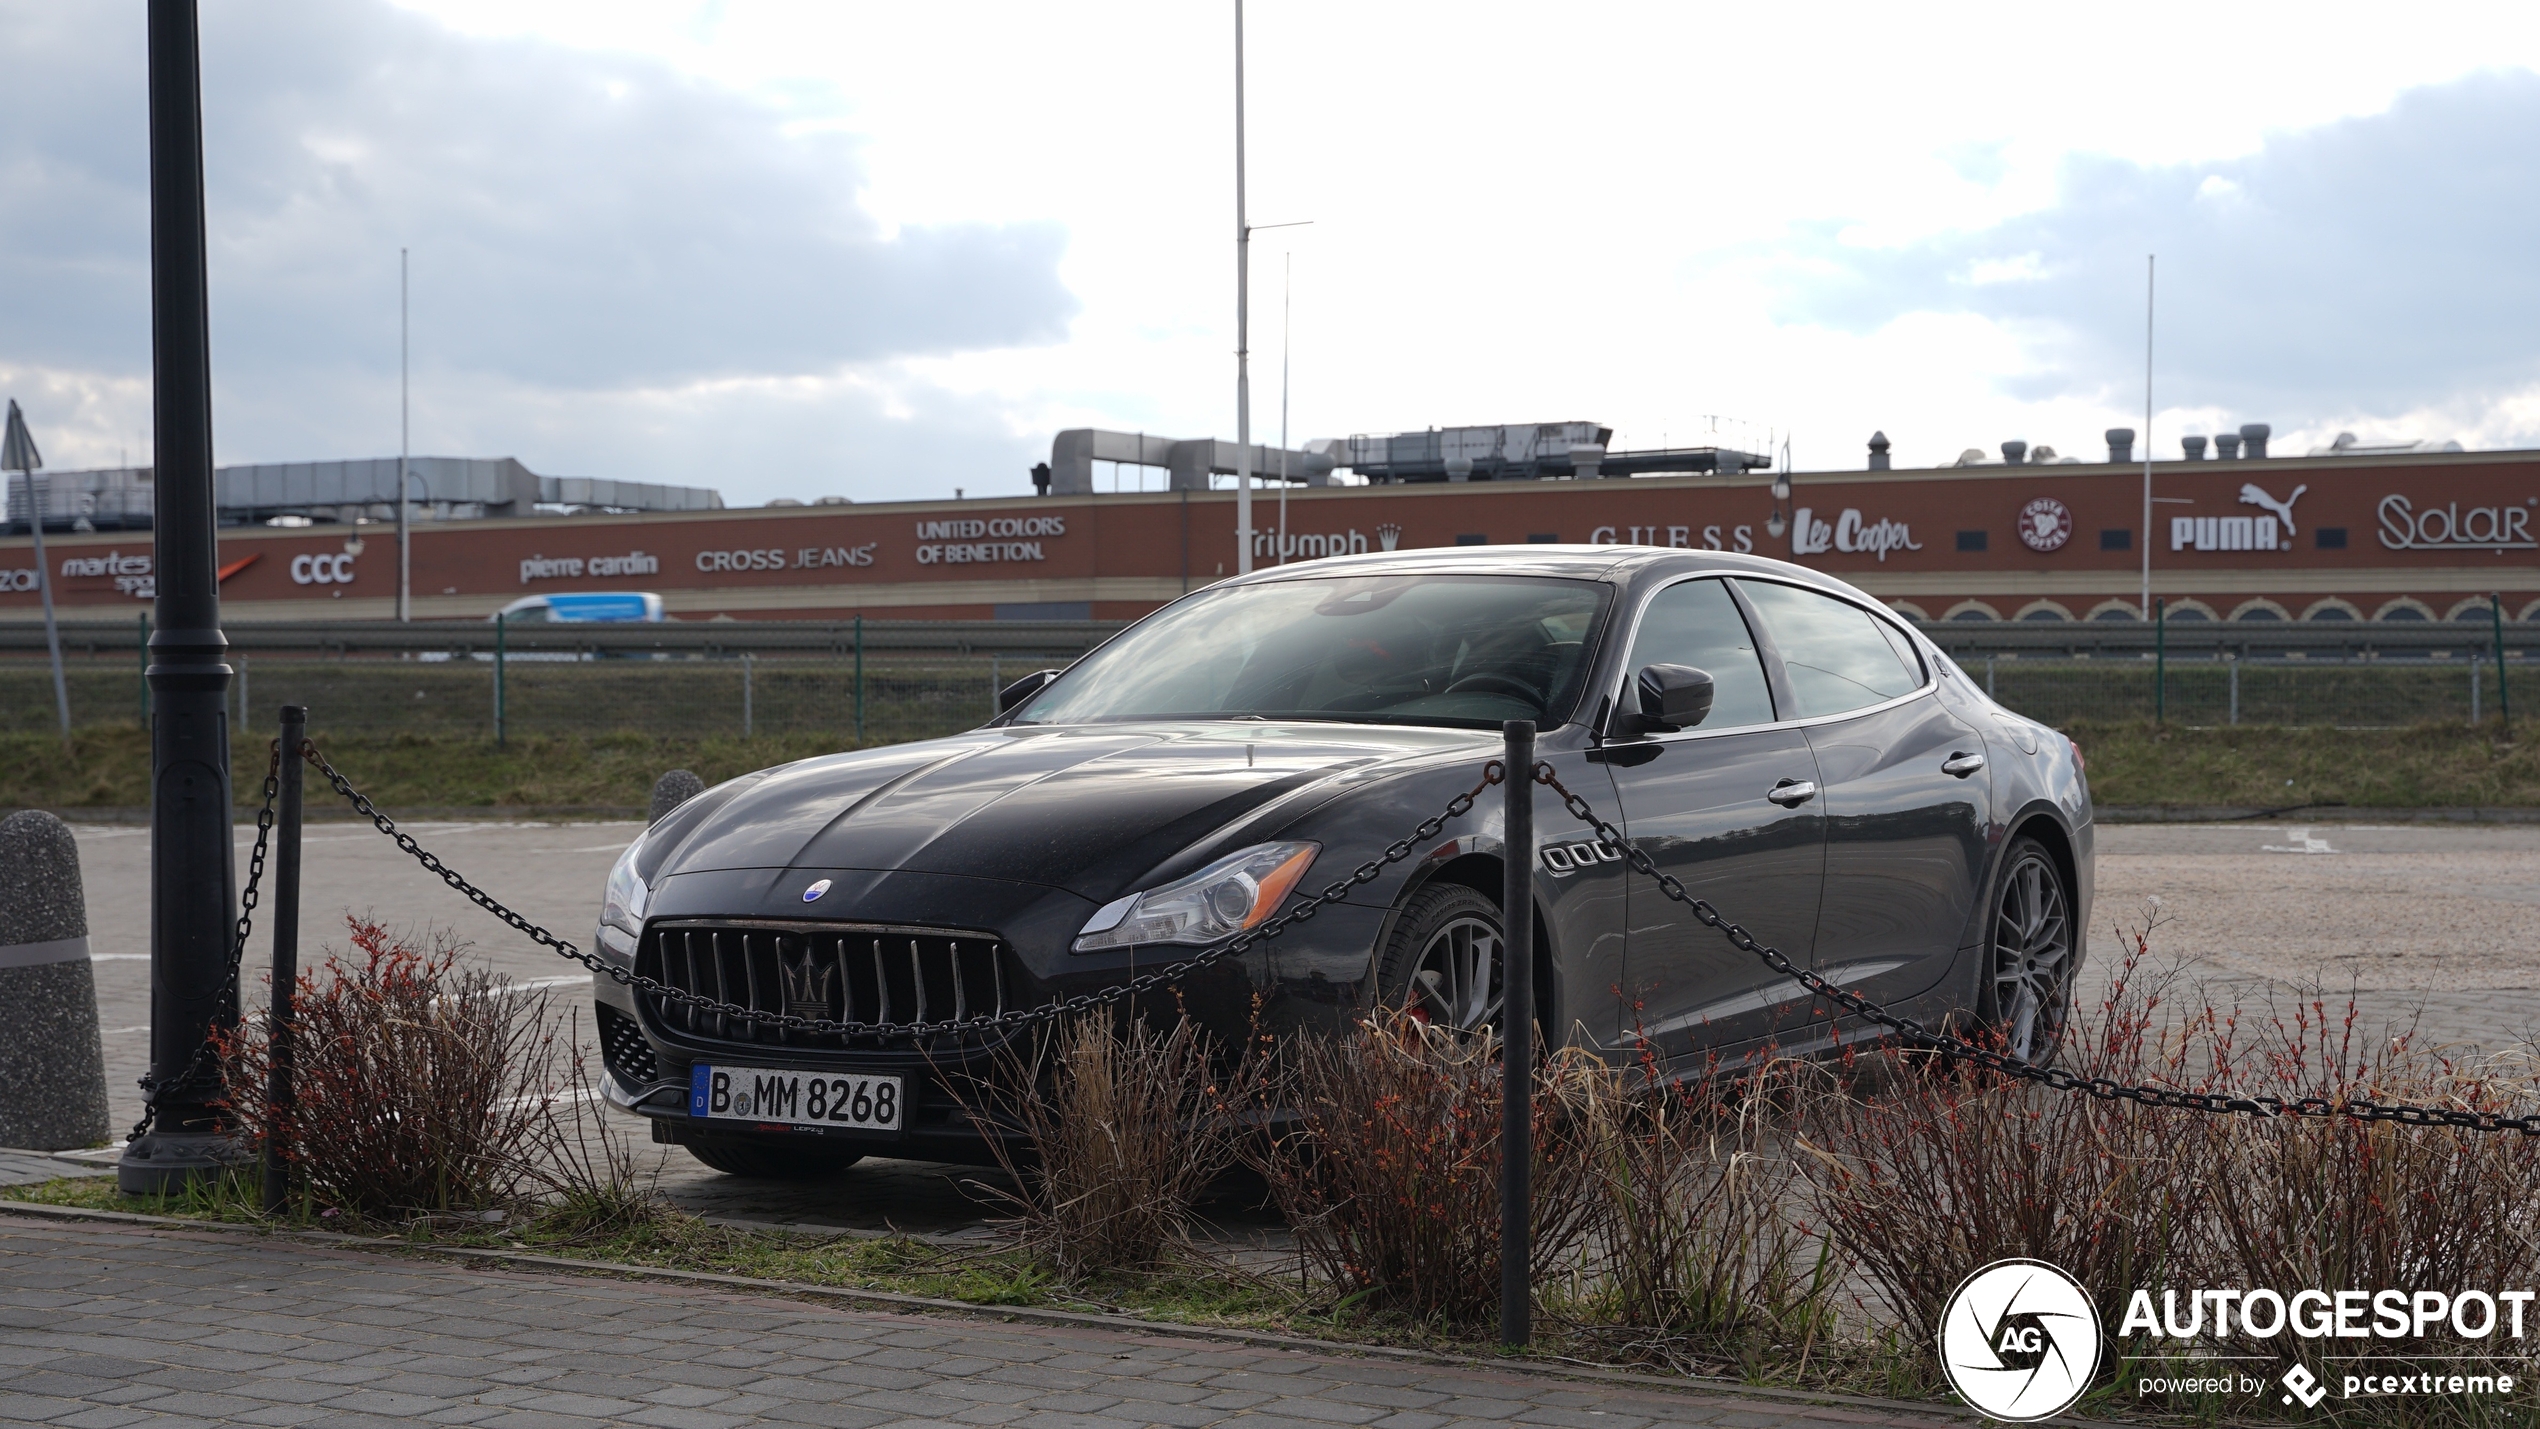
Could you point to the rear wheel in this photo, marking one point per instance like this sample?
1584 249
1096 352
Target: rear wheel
1442 962
763 1161
2033 952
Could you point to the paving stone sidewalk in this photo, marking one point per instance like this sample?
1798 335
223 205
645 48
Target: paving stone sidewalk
103 1326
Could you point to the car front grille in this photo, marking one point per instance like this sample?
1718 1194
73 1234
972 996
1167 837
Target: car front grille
840 972
623 1049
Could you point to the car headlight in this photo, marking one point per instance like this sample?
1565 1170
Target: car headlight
622 902
1232 894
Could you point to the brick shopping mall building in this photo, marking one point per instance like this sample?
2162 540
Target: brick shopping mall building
2411 537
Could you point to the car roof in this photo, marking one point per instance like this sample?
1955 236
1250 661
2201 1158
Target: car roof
1612 563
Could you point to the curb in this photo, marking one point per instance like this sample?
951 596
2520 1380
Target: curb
2315 813
1075 1319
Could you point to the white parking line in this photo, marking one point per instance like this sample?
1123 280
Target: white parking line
2302 843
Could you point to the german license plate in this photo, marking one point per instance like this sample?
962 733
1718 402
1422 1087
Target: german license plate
772 1096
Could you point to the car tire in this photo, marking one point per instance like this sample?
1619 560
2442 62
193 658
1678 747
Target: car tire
763 1162
1447 938
2032 951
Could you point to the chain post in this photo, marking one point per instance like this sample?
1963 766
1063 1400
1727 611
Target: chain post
2504 700
2160 659
1517 1038
279 1091
498 679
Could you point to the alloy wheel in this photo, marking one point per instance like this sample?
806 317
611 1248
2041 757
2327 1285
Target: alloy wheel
1455 983
2032 958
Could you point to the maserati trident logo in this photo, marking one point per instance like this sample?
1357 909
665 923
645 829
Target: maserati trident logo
812 894
807 986
2020 1340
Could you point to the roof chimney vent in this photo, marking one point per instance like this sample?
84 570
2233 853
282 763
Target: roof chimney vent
1878 452
2193 446
2014 453
2226 446
2121 444
2253 440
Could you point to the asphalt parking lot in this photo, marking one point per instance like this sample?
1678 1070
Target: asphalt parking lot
2439 924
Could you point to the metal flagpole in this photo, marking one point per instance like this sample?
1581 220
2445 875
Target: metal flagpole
405 485
2148 274
18 451
1287 328
1243 326
193 909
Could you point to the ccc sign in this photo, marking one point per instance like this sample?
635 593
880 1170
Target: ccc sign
323 569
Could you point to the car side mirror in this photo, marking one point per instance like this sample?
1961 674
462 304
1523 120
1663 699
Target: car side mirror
1023 689
1671 697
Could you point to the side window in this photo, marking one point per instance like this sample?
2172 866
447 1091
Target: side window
1697 623
1838 657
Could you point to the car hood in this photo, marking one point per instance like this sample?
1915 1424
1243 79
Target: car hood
1091 809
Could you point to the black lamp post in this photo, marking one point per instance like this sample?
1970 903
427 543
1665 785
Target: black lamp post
191 872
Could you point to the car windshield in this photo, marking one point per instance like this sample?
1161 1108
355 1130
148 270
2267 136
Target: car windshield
1439 650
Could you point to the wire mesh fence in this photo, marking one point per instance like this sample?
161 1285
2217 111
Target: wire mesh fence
887 699
883 682
2227 691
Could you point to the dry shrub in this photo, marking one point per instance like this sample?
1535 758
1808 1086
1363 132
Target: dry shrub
2343 1204
422 1087
591 1172
1945 1168
1388 1165
1705 1257
1112 1133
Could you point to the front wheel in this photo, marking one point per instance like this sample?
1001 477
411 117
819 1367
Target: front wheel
1442 962
2032 951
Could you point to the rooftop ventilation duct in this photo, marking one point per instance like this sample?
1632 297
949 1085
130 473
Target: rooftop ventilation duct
2014 453
2253 440
1878 452
2227 446
2193 446
2121 444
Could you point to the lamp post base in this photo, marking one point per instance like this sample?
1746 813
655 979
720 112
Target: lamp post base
165 1161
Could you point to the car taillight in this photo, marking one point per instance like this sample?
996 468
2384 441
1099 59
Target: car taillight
2078 762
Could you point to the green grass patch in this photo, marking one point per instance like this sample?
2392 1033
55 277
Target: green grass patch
2133 763
2136 763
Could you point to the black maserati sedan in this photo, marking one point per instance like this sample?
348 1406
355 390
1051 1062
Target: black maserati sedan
1775 738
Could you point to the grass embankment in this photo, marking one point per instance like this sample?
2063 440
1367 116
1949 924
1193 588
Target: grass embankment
2133 764
2136 764
110 768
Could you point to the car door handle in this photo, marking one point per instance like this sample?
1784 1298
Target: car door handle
1962 765
1791 793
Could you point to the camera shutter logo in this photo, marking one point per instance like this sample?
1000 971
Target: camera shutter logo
2020 1340
2045 525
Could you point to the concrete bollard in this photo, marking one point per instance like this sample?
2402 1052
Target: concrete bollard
674 789
52 1062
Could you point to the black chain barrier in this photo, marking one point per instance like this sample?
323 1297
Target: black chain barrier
151 1087
1994 1059
1165 976
1608 836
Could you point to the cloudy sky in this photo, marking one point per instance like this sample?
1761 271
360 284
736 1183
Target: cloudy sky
791 249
